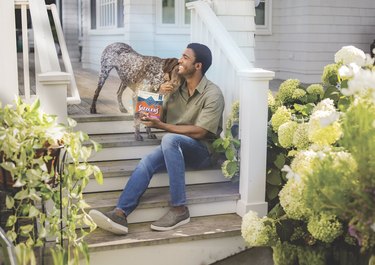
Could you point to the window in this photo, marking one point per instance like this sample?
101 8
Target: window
263 18
173 16
107 14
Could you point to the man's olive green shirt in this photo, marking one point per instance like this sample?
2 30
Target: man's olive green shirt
203 109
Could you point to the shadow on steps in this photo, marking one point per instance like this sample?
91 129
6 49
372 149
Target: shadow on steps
258 256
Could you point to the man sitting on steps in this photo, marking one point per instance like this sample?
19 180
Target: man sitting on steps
193 119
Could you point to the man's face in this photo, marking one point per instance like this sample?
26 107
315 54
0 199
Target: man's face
187 65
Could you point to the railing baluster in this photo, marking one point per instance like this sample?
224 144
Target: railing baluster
25 53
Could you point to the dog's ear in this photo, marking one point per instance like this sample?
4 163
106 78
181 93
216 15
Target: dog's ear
169 64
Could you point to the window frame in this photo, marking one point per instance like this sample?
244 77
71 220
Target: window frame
179 27
265 29
105 30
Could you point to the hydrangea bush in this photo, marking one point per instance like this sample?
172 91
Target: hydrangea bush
321 168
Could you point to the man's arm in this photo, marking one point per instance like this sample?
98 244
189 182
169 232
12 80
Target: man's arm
192 131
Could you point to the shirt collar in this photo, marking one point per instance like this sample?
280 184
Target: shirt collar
200 88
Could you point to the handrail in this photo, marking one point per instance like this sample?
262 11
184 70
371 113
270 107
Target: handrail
24 5
75 98
231 49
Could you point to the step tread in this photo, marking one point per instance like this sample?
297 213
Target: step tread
159 196
81 118
125 139
140 234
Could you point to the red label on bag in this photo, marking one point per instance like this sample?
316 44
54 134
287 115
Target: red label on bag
149 103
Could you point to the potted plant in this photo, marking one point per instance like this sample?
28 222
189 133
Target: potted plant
44 170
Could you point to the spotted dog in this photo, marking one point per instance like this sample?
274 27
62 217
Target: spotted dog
138 72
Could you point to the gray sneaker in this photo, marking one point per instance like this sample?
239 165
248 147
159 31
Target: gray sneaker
110 221
171 220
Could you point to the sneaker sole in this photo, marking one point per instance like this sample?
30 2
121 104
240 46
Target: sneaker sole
162 228
107 224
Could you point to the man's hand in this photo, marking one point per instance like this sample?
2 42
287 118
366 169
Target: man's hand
166 88
150 122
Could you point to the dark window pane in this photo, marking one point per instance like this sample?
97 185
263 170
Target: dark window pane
93 13
168 12
260 14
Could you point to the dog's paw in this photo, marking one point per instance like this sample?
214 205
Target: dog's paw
138 137
123 110
93 110
151 136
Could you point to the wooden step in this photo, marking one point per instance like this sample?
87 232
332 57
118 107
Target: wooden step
202 199
104 123
116 174
207 239
123 146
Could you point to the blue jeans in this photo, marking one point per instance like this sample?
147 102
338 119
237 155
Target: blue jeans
174 152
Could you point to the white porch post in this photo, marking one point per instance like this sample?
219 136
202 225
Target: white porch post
8 53
52 91
254 84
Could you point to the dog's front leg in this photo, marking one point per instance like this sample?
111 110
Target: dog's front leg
150 135
137 125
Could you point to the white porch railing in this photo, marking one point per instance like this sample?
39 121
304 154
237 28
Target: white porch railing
52 85
239 80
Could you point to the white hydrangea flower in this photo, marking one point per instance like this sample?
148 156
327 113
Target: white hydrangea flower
348 71
350 54
290 173
325 105
325 112
360 83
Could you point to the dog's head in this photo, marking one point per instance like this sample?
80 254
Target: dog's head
170 69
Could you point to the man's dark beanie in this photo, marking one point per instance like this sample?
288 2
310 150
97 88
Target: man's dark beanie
202 54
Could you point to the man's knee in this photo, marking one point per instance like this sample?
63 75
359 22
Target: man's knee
170 139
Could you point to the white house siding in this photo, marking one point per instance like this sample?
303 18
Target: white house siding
307 33
142 33
70 28
237 18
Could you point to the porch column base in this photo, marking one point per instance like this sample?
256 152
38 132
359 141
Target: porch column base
244 207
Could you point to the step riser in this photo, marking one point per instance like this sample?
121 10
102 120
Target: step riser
204 251
120 153
159 180
106 127
202 209
141 215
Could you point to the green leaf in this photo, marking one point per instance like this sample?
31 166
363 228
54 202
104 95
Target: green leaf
11 235
226 143
98 174
35 105
272 192
9 202
280 161
12 219
229 154
26 229
71 122
33 212
22 194
232 168
97 146
273 177
236 143
276 212
9 166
